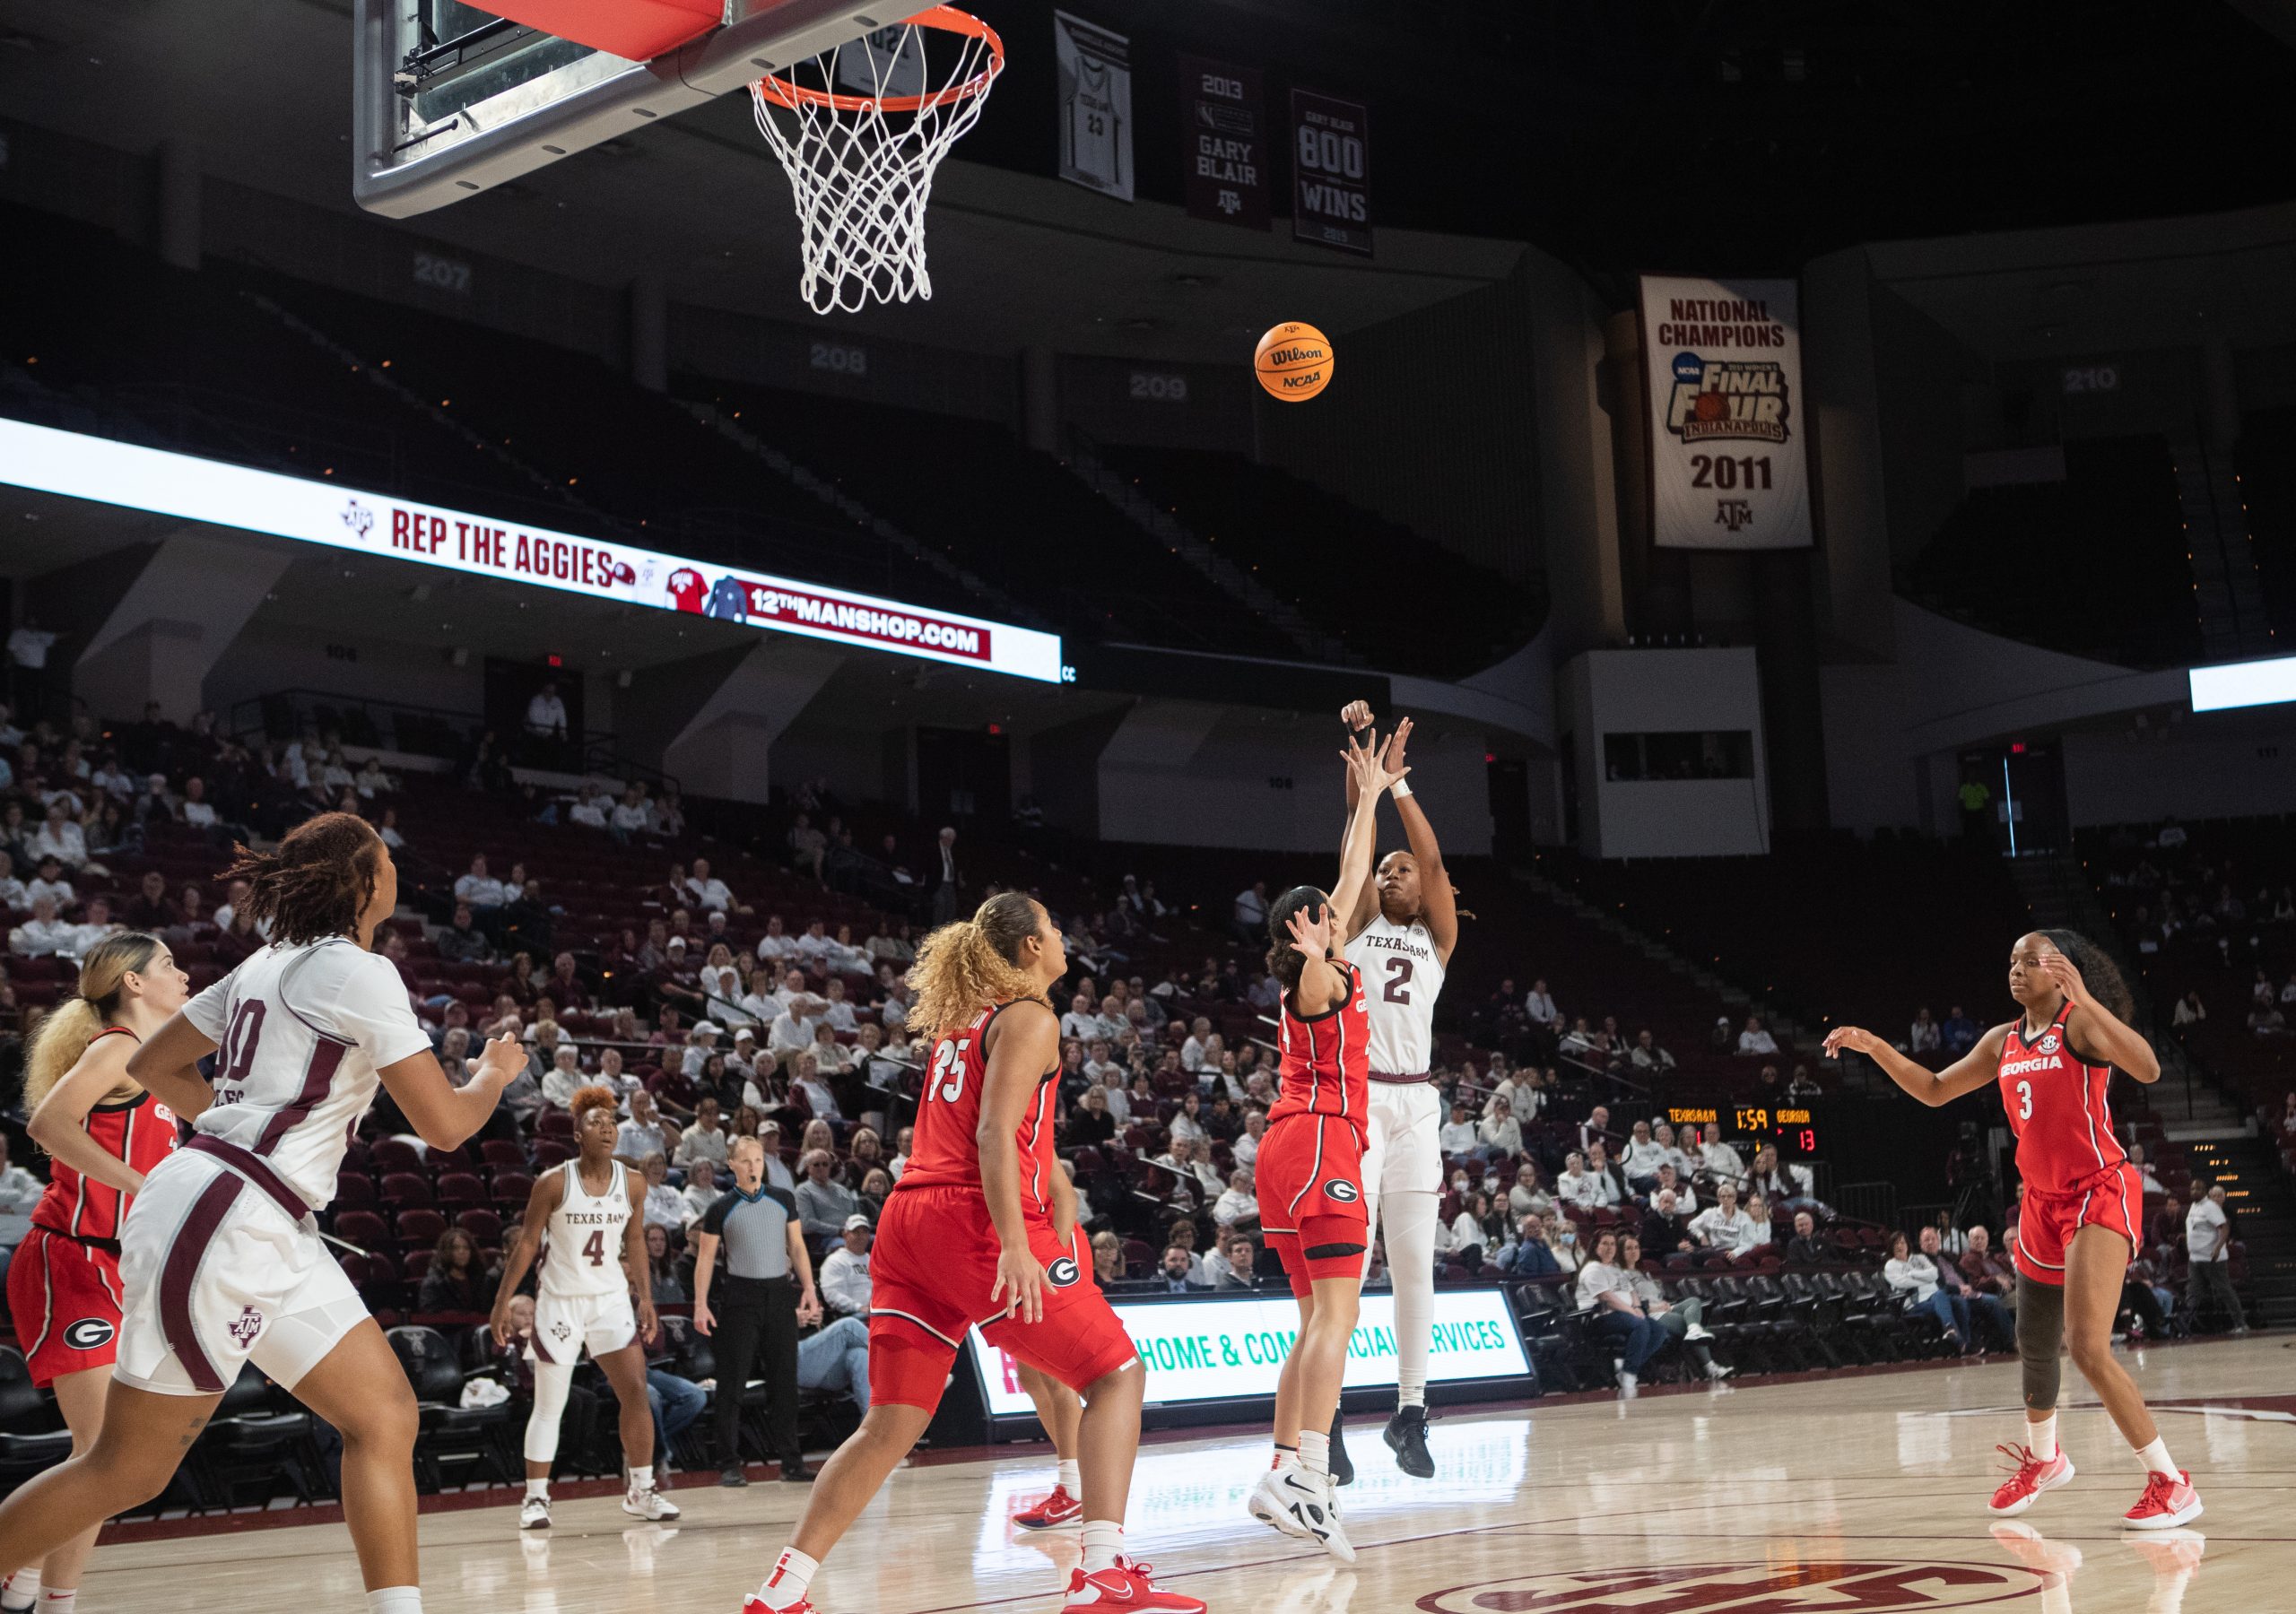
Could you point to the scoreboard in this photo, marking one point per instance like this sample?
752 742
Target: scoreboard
1796 1129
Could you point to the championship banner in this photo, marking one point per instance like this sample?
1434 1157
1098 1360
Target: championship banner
1095 72
332 516
1224 124
1723 365
1331 172
1218 1349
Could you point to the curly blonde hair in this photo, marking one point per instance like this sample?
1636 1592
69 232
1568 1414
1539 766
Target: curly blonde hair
64 1033
963 968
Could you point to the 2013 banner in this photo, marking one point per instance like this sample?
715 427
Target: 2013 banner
1224 124
1723 364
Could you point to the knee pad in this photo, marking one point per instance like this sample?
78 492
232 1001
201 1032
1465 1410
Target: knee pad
2040 1332
552 1380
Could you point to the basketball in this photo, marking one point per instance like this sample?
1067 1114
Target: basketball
1293 362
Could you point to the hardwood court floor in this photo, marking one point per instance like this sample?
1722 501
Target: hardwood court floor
1855 1492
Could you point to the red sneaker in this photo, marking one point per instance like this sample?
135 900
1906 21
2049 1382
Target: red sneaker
1126 1586
754 1605
2169 1501
1052 1513
2032 1476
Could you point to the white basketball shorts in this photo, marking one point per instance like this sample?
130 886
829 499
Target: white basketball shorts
216 1273
566 1326
1405 1155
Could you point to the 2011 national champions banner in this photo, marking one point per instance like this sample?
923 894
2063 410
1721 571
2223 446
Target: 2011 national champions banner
1723 361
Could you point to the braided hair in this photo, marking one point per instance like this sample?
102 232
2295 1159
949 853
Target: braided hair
316 883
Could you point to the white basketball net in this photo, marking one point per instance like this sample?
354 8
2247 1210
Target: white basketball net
860 130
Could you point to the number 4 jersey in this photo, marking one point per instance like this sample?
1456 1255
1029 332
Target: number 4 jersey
945 1153
582 1245
1403 976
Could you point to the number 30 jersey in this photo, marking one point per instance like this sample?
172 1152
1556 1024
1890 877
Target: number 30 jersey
946 1151
1403 975
582 1244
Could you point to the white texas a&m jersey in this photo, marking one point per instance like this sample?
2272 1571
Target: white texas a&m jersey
582 1243
300 1032
1402 974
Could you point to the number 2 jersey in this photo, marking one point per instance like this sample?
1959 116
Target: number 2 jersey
300 1030
1327 1058
946 1151
1403 975
2057 1109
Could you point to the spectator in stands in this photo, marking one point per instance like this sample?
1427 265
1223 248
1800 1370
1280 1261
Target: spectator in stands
1578 1043
644 1133
478 890
1989 1320
1684 1164
1235 1203
1805 1248
59 837
1524 1197
1500 1136
2148 1182
704 890
1758 1213
1175 1274
662 1267
1722 1228
1247 1141
1232 1265
43 934
1926 1036
49 880
1681 1321
454 1280
792 1031
1597 1125
1648 1057
1082 1020
805 1082
564 1078
701 1191
1458 1135
1108 1259
664 1208
1988 1273
844 1281
12 890
1643 1157
1754 1041
1520 1089
1631 1338
1915 1274
2208 1250
1575 1185
1786 1186
150 909
1247 915
1609 1183
823 1203
2288 1118
1959 1034
2266 1020
707 1138
945 880
1720 1161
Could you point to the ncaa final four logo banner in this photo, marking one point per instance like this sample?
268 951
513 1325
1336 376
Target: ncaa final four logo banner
1723 365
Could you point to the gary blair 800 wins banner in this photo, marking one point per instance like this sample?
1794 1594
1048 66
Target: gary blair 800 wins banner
1723 363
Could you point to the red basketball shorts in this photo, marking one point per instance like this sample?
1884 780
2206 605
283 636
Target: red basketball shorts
1309 1181
930 1275
2112 1198
64 1298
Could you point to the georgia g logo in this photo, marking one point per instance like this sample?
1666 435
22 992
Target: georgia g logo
90 1333
1062 1273
1342 1190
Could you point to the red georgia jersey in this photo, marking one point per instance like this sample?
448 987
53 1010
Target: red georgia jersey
139 1130
686 589
945 1152
1326 1060
2057 1109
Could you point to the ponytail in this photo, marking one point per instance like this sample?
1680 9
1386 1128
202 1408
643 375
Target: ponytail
1284 961
2098 972
963 968
66 1030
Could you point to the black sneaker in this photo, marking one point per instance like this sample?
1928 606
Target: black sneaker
732 1475
1342 1468
797 1473
1407 1439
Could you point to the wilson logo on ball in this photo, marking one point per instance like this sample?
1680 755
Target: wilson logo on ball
1292 362
89 1332
1062 1273
1342 1190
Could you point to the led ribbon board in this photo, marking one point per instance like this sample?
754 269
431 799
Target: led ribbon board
371 523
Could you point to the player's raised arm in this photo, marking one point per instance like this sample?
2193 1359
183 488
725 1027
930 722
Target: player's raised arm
1368 767
1357 715
2094 1029
1439 905
1973 1070
1023 1043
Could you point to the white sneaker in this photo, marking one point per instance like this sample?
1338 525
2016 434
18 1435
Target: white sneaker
534 1514
1627 1381
648 1503
1717 1372
1697 1331
1300 1504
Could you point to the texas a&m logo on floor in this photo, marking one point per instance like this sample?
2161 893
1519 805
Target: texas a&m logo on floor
1869 1585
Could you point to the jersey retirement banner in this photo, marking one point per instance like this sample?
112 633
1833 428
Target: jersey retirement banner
1722 360
1095 72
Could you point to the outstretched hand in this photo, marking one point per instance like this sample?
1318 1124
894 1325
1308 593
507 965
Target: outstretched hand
1369 765
1855 1039
1311 931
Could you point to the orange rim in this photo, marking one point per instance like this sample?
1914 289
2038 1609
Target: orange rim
781 92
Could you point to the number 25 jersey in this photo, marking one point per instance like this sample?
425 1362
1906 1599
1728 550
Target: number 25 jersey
945 1152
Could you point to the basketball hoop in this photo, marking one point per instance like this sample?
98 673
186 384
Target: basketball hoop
863 137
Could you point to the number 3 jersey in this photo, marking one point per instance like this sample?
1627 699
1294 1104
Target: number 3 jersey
1403 975
300 1031
2057 1108
582 1242
945 1152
